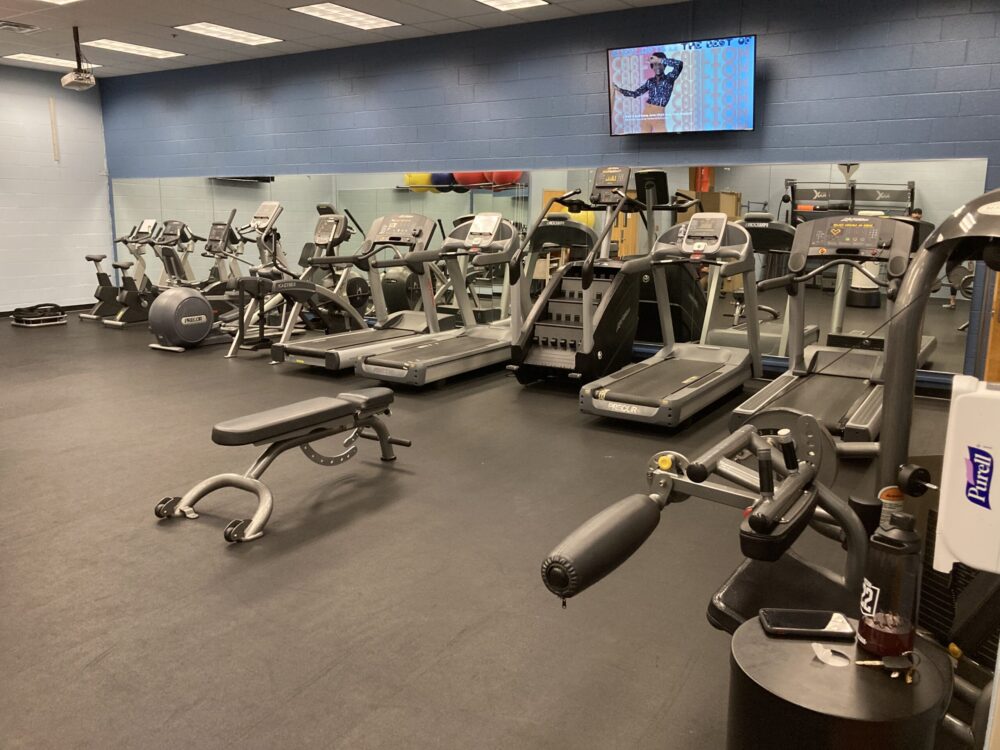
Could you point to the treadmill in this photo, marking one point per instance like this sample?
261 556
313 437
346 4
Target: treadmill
408 233
682 379
484 239
875 341
769 237
841 388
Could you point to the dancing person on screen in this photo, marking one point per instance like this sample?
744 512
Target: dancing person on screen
659 87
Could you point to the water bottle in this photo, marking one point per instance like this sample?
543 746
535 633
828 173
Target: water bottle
891 588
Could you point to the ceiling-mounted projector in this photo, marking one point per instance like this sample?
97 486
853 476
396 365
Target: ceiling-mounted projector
78 80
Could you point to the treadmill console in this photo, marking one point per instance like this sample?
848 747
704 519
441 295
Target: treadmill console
704 235
484 230
606 181
864 238
330 229
266 213
401 229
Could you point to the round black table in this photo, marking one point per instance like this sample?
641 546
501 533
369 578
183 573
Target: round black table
782 697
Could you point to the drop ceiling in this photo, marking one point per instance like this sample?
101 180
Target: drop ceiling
151 23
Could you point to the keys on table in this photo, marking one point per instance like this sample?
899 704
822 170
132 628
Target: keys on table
904 666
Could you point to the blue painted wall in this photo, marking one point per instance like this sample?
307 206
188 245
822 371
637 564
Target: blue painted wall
852 80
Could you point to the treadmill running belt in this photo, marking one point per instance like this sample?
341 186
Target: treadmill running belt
443 348
651 384
346 340
826 397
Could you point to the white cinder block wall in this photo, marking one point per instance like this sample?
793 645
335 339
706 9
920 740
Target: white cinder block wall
52 213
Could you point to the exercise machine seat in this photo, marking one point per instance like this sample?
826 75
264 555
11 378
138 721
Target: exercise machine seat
273 424
97 258
123 265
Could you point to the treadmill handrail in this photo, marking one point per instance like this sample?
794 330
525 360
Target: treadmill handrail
788 278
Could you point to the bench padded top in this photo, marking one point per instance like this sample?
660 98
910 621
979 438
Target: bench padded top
273 424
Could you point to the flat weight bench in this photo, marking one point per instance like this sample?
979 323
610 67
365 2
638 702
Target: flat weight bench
294 425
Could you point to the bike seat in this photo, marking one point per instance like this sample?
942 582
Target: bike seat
96 258
123 265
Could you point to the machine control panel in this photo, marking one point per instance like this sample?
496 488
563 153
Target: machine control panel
864 238
704 235
330 228
401 229
264 215
146 227
606 181
174 231
484 230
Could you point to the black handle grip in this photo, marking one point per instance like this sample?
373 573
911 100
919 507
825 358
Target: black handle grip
600 545
768 514
699 469
787 445
776 283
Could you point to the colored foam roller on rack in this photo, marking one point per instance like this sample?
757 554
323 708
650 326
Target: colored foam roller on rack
418 182
442 181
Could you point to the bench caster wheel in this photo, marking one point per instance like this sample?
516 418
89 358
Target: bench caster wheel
166 507
234 531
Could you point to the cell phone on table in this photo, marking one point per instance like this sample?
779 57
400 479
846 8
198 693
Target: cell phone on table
817 624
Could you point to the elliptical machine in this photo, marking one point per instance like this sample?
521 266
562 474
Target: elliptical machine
318 300
183 316
137 291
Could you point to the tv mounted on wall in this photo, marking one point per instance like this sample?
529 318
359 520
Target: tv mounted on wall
686 87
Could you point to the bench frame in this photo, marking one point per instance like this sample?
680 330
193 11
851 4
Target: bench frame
363 424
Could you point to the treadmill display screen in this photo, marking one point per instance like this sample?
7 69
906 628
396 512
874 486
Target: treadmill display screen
704 228
485 225
846 237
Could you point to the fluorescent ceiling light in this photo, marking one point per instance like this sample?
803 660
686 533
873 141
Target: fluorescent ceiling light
345 16
228 34
59 2
513 4
132 49
42 60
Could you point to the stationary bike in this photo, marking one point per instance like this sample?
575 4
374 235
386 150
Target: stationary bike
106 293
137 291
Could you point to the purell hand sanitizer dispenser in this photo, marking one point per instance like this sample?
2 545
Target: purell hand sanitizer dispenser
968 526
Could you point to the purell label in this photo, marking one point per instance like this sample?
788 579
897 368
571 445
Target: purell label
978 477
869 598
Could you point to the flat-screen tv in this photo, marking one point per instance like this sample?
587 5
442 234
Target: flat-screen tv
684 87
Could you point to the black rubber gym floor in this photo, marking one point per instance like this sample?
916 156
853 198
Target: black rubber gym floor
387 606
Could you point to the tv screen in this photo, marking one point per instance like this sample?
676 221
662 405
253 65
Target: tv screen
682 88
